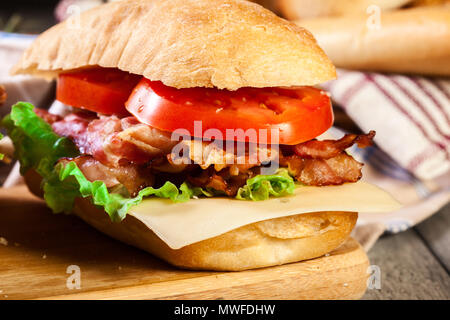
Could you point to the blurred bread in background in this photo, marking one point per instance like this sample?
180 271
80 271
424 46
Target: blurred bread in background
418 3
268 4
412 41
301 9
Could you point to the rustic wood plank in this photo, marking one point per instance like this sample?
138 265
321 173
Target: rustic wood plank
341 275
408 269
40 246
436 233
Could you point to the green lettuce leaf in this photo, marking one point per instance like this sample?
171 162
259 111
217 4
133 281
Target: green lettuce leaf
38 147
61 190
262 187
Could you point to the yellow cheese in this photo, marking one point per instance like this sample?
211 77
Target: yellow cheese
181 224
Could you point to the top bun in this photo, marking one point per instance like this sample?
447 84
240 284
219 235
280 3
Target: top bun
225 44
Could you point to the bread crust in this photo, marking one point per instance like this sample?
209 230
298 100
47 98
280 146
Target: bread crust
183 43
261 244
408 41
301 9
247 247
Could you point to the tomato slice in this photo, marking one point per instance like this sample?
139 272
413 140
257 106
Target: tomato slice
103 90
299 114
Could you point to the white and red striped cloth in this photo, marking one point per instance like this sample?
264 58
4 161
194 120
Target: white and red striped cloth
411 115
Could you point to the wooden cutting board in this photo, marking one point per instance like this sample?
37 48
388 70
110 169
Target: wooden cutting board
37 248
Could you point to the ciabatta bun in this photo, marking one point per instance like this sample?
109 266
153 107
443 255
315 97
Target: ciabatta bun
262 244
183 43
407 41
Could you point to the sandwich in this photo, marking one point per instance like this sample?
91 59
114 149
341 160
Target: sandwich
189 130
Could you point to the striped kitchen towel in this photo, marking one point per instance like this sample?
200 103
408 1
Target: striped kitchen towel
411 115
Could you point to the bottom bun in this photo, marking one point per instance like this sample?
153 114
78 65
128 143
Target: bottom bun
261 244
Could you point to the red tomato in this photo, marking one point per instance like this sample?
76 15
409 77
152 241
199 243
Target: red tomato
102 90
299 114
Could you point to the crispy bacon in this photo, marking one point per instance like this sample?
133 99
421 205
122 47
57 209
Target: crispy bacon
321 172
131 176
111 140
321 163
207 154
223 180
327 149
126 152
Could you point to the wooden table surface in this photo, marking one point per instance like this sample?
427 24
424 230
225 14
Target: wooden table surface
414 264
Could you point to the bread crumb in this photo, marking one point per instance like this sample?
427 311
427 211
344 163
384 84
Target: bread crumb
120 268
44 256
1 291
327 254
346 284
194 197
3 241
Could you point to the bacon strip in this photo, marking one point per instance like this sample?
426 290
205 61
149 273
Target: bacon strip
322 172
327 149
207 154
111 140
131 176
321 163
126 152
223 181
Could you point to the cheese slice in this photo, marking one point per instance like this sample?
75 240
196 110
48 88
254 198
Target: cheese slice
181 224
